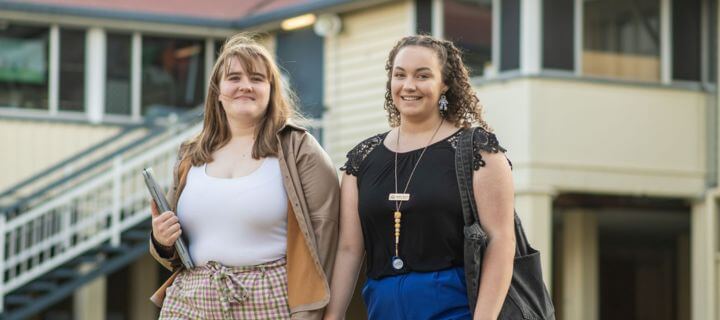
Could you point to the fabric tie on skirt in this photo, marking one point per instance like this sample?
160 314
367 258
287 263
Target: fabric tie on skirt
217 292
228 284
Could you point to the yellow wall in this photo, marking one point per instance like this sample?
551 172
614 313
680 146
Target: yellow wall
355 74
33 145
600 137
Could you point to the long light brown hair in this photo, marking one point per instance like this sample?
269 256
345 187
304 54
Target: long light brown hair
216 131
464 107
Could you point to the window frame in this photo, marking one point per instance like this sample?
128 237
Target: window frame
665 53
53 112
437 27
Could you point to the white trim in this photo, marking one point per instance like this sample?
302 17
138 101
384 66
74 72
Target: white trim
665 41
530 35
95 71
578 36
71 116
2 261
54 70
209 61
437 20
169 29
496 32
116 205
412 17
136 76
704 41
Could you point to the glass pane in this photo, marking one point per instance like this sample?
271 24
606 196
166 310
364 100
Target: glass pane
173 74
468 23
24 67
622 39
510 35
558 34
686 38
712 74
423 16
72 70
218 47
300 54
117 87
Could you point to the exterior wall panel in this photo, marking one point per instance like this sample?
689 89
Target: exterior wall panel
355 74
601 137
35 145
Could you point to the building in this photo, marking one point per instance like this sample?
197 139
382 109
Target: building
609 110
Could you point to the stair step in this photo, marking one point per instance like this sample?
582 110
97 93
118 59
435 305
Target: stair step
18 299
110 249
137 235
86 258
63 273
41 286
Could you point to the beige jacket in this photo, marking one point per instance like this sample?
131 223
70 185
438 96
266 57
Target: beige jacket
313 193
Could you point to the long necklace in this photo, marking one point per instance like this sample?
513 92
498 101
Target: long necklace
399 198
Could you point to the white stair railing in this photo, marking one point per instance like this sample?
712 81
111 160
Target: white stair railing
95 211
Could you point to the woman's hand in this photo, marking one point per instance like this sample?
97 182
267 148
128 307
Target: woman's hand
350 251
165 226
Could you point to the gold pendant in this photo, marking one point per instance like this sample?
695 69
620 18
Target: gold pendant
399 197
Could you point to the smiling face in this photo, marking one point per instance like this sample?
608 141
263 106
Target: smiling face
245 90
416 83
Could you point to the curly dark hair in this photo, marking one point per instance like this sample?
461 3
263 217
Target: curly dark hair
464 107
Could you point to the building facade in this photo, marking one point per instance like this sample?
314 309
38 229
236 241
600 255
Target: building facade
608 109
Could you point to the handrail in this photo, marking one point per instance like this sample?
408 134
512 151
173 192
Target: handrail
62 164
94 211
184 120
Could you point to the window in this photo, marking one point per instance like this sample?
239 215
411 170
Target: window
72 70
173 74
423 16
218 47
712 43
621 39
558 34
510 35
118 64
24 67
300 55
686 40
468 23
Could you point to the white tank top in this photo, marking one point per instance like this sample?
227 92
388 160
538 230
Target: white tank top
236 222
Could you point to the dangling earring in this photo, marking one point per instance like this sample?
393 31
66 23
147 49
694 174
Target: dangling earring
443 103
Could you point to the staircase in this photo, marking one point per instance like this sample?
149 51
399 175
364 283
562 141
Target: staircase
85 225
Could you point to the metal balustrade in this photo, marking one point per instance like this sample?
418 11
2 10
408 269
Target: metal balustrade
95 211
89 216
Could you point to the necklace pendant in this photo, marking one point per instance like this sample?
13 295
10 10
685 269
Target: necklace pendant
397 263
399 197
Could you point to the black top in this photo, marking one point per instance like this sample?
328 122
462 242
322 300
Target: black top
431 235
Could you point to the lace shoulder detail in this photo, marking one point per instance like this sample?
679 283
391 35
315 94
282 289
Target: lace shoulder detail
356 156
482 140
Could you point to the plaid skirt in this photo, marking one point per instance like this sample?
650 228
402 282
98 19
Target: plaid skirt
214 291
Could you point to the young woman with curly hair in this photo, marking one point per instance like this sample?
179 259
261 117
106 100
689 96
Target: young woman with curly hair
400 204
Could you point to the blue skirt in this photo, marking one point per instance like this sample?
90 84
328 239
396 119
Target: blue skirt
440 295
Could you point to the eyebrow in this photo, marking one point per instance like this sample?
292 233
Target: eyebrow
418 70
238 73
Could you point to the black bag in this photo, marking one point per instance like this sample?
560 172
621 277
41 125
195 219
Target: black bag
527 298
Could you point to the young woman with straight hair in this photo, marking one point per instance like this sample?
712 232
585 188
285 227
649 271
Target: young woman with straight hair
257 199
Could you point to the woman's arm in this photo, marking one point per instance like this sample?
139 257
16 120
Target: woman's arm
322 193
165 231
350 251
494 196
